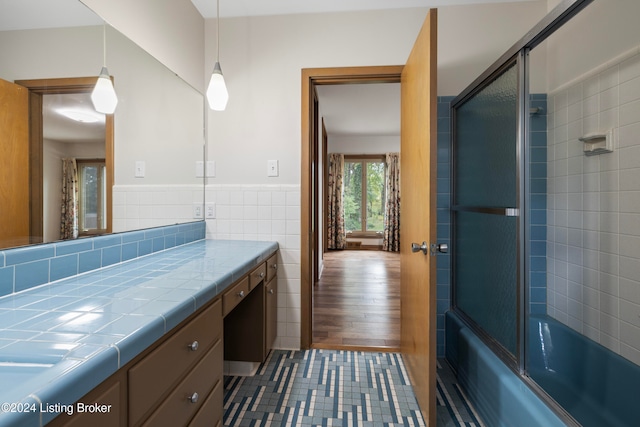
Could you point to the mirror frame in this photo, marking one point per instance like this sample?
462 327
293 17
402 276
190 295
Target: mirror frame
38 88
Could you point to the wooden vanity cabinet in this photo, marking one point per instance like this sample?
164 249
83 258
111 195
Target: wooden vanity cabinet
251 328
178 381
171 367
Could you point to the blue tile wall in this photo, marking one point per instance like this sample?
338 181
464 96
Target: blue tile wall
29 266
538 207
538 212
443 211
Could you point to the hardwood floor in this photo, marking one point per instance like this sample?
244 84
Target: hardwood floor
356 302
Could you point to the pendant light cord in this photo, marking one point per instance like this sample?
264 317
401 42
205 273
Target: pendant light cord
218 30
104 44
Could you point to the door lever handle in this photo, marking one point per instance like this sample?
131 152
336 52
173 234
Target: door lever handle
415 247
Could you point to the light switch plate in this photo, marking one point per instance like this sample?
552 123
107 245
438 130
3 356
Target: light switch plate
272 168
211 169
199 169
140 169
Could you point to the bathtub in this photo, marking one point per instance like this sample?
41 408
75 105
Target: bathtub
499 395
595 385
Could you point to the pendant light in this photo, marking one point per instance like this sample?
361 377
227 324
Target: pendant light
217 94
104 95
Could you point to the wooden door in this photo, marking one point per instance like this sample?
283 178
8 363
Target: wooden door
14 165
418 151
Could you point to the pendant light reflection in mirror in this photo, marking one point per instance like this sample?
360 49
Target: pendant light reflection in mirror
217 94
103 95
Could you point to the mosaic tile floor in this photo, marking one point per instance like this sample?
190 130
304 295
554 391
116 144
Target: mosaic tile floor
337 388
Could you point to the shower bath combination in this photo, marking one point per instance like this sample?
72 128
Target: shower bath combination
546 172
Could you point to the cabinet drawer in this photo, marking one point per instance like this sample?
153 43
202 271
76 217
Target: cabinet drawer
210 414
272 267
180 406
233 296
257 276
154 375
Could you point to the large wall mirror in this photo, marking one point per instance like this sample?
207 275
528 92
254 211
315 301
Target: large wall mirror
137 167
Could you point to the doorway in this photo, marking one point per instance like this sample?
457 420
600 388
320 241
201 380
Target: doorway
310 220
38 90
356 300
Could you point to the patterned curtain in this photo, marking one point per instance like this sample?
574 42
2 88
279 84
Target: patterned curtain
336 236
391 241
69 208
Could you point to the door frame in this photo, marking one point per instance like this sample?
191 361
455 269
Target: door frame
38 88
309 231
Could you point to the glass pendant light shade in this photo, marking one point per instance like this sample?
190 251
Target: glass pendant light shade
217 94
103 95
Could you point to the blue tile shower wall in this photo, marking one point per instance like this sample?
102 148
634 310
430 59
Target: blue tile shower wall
29 266
443 211
538 206
538 212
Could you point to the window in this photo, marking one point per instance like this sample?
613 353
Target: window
92 193
364 194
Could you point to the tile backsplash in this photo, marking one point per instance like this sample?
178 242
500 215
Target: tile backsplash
25 267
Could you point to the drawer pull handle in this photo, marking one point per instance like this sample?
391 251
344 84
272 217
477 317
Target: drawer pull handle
271 291
193 346
193 398
261 274
241 294
275 266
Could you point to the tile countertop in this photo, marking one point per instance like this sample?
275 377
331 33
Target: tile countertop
60 340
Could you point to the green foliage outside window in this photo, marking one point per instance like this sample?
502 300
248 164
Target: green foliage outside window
367 214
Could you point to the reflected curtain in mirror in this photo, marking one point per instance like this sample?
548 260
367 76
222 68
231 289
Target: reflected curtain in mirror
335 212
391 241
69 207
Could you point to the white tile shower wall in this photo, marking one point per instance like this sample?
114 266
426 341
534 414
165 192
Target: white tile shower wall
593 245
144 206
265 212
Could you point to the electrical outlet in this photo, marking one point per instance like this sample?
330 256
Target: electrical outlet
210 210
197 211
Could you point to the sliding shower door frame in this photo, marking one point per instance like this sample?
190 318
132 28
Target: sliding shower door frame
518 54
509 359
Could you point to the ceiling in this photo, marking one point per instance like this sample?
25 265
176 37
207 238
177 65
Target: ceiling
230 8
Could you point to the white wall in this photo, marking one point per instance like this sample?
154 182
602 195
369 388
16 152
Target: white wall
593 250
364 144
171 31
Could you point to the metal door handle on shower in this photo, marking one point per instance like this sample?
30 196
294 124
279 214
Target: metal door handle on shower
417 248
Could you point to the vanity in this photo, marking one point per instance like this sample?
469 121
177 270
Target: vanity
138 343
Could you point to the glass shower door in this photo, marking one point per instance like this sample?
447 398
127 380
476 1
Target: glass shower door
485 209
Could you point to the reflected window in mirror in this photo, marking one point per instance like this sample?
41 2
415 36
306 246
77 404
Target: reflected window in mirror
92 197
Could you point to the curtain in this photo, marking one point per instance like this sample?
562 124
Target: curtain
336 236
391 241
69 207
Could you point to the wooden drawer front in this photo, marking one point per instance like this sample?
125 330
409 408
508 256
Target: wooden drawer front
153 376
272 267
178 408
210 414
233 296
257 276
109 401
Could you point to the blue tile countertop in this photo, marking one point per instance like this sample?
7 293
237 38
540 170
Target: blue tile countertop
60 340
